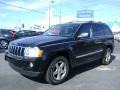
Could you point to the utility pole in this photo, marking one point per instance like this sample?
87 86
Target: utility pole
19 24
60 17
50 13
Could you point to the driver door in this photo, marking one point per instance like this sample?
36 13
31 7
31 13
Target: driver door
84 45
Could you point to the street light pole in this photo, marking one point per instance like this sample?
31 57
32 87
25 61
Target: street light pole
50 13
60 17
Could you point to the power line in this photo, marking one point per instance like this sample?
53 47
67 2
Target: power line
22 8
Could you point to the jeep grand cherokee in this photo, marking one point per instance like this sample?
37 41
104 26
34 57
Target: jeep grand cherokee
60 48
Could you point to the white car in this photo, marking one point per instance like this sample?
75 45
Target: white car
117 37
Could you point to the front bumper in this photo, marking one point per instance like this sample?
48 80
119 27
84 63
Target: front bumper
25 72
22 65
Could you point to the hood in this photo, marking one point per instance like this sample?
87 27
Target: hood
40 40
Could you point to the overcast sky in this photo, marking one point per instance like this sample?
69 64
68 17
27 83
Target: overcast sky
105 10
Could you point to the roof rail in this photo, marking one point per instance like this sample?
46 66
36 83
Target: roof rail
86 22
80 21
100 22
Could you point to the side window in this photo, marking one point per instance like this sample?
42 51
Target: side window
107 30
85 28
98 30
4 32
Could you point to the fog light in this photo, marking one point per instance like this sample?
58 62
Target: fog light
31 64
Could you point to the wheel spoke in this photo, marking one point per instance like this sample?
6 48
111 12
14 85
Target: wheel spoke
62 65
63 71
58 76
57 66
55 72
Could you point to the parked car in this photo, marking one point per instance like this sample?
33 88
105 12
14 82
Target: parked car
25 33
5 37
39 33
117 37
12 31
61 48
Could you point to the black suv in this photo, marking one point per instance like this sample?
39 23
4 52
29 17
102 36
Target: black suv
60 48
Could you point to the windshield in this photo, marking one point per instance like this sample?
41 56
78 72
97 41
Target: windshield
66 30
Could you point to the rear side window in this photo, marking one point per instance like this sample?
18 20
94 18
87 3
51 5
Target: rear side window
107 30
98 30
20 33
85 28
30 33
5 32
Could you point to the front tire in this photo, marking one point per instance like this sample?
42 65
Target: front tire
107 57
57 71
4 44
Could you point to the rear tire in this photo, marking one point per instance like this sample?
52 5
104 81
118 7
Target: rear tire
107 57
57 71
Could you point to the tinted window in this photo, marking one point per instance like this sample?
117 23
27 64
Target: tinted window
98 30
20 33
85 28
107 30
25 32
67 30
30 33
5 32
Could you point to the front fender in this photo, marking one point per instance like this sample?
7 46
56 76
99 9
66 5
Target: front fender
56 50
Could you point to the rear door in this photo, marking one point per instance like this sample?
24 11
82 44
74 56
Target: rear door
98 39
109 37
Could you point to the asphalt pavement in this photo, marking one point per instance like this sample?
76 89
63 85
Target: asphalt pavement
91 76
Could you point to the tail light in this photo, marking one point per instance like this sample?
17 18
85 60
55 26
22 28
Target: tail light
12 35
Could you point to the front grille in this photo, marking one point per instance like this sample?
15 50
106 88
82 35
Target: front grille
16 50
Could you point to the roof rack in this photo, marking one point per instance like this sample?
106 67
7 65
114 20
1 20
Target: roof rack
85 22
81 22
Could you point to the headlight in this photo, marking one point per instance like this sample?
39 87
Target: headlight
33 52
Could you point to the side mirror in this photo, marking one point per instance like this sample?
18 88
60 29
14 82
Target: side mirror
83 35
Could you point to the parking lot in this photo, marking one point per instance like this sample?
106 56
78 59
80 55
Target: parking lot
92 76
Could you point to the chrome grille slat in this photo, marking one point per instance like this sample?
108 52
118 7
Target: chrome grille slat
16 50
9 49
20 51
12 50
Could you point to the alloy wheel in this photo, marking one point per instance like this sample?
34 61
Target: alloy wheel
4 44
59 70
